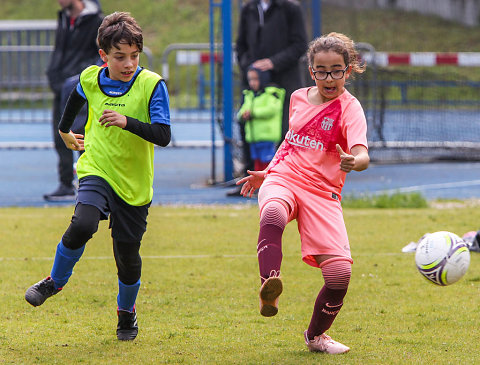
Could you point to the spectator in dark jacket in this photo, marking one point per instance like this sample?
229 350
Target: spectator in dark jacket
75 49
271 37
67 88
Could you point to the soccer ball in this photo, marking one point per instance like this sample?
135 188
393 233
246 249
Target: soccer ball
442 257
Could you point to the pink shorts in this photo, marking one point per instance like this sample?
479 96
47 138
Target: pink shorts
319 216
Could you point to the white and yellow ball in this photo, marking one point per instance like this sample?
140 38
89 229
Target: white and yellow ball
442 257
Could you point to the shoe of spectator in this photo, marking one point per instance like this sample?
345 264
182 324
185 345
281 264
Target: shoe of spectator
62 193
234 192
412 246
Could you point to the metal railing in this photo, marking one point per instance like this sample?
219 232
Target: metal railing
25 51
26 98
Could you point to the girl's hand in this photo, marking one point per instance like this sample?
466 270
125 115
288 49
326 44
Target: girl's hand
347 162
358 160
251 183
73 141
112 118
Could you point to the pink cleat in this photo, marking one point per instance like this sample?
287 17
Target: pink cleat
324 343
269 293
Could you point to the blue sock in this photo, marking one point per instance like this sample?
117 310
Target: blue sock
127 295
65 260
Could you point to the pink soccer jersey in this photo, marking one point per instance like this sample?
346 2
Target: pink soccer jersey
308 155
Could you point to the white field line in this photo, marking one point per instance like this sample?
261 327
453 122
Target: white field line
432 186
169 257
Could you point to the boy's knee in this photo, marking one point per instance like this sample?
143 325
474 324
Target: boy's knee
82 227
128 261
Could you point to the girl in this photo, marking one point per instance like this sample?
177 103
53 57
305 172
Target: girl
326 140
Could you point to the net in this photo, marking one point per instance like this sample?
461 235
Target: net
420 113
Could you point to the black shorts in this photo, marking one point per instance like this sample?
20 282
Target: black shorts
127 222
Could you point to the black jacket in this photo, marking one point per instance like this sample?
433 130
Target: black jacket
75 49
282 38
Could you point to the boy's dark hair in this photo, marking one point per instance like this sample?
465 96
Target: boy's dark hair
119 27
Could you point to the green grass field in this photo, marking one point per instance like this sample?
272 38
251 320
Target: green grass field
198 302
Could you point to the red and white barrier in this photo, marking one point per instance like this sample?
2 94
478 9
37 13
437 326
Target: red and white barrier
426 59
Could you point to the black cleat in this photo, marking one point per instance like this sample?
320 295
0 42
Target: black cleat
41 291
127 328
62 193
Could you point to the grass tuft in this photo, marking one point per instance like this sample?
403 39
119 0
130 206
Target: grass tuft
396 200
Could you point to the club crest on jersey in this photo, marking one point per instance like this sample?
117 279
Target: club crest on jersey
303 141
327 123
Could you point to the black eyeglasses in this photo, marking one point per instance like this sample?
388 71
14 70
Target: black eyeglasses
335 74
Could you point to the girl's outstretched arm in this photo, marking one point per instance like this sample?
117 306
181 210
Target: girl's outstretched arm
251 182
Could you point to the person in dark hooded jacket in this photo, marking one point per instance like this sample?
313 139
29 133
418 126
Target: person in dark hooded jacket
75 49
271 37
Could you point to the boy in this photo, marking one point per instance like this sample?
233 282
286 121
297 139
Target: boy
128 112
262 112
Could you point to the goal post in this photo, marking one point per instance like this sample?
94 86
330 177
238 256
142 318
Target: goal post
222 103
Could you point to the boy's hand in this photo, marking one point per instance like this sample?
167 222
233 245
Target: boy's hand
112 118
347 162
73 141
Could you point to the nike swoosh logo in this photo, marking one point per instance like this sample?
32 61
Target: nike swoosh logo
333 306
259 243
